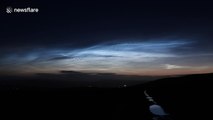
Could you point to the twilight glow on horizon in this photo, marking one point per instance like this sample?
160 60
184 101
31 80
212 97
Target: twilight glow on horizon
168 57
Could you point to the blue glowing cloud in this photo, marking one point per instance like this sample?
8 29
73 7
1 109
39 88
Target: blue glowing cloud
124 58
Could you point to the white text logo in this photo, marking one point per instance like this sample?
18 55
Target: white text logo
22 10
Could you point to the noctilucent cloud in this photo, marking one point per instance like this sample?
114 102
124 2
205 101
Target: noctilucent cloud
130 37
156 57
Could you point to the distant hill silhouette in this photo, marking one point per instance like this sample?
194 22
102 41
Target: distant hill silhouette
69 79
185 97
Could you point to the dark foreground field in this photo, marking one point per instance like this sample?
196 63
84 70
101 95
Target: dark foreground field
185 98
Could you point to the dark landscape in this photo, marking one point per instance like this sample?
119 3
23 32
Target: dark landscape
185 97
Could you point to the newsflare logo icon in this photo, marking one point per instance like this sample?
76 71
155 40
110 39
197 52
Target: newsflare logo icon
9 10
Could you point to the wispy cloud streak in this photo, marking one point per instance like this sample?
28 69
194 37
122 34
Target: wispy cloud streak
122 58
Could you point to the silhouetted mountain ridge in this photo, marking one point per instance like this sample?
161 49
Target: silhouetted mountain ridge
185 97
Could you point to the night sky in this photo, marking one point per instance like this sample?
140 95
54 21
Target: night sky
122 37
